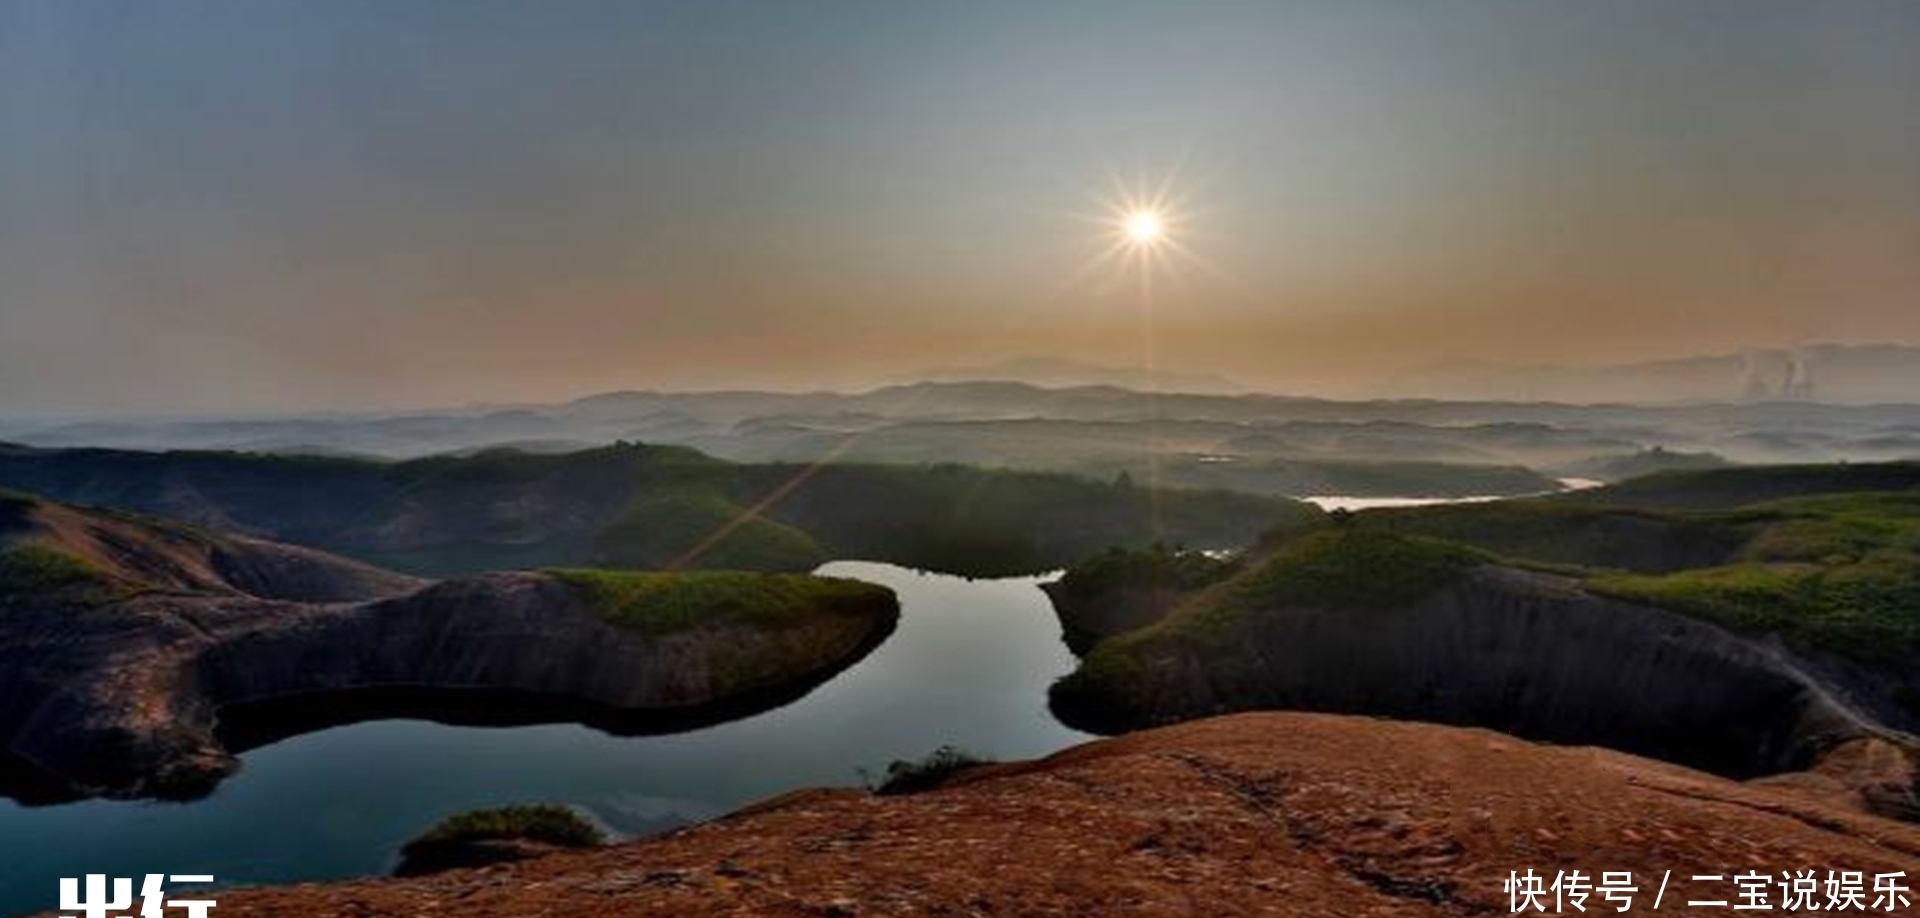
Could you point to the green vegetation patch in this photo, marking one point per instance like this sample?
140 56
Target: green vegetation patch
1869 610
1352 569
631 505
1834 568
1837 572
1156 567
1834 571
701 526
1551 532
995 522
32 571
1337 572
1727 488
546 823
1835 527
659 602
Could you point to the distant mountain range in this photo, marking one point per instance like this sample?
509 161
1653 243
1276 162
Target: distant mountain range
1095 430
1812 404
1835 373
1054 372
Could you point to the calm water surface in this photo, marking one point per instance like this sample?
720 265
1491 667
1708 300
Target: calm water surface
1344 502
969 665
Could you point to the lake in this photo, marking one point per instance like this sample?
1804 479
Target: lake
969 666
1356 504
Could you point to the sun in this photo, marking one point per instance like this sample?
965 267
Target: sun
1144 227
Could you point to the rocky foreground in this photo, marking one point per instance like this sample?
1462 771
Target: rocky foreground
1254 814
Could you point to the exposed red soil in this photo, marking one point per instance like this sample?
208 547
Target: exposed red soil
1256 814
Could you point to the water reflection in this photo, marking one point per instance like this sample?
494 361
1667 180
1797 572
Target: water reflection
969 665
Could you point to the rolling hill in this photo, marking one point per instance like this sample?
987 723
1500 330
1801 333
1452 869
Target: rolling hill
645 507
1748 621
139 657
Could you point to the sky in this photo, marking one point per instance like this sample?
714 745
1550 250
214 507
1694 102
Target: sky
259 205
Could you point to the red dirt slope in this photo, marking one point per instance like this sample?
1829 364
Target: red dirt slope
1256 814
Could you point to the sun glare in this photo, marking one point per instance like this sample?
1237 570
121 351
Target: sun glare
1145 227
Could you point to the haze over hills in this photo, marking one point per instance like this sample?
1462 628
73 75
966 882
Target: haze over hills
1853 374
1060 373
1834 373
1264 443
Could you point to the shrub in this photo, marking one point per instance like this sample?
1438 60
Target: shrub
546 823
929 772
496 836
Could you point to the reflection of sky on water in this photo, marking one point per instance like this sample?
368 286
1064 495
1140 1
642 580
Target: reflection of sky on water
969 665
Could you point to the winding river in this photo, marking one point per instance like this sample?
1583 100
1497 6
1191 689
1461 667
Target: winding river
969 666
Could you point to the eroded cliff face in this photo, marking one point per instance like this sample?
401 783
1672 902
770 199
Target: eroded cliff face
1255 814
1522 652
1086 620
121 686
517 647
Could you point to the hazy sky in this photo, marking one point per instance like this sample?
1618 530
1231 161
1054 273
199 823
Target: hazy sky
258 205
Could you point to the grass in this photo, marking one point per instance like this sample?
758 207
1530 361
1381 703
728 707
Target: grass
1728 488
1823 562
1154 567
1868 611
1554 532
1342 571
32 571
1835 526
15 502
1353 569
659 529
544 822
658 602
1838 573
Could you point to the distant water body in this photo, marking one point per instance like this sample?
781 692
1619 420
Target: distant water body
969 666
1338 502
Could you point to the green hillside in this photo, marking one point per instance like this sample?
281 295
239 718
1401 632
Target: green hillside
638 506
1833 566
